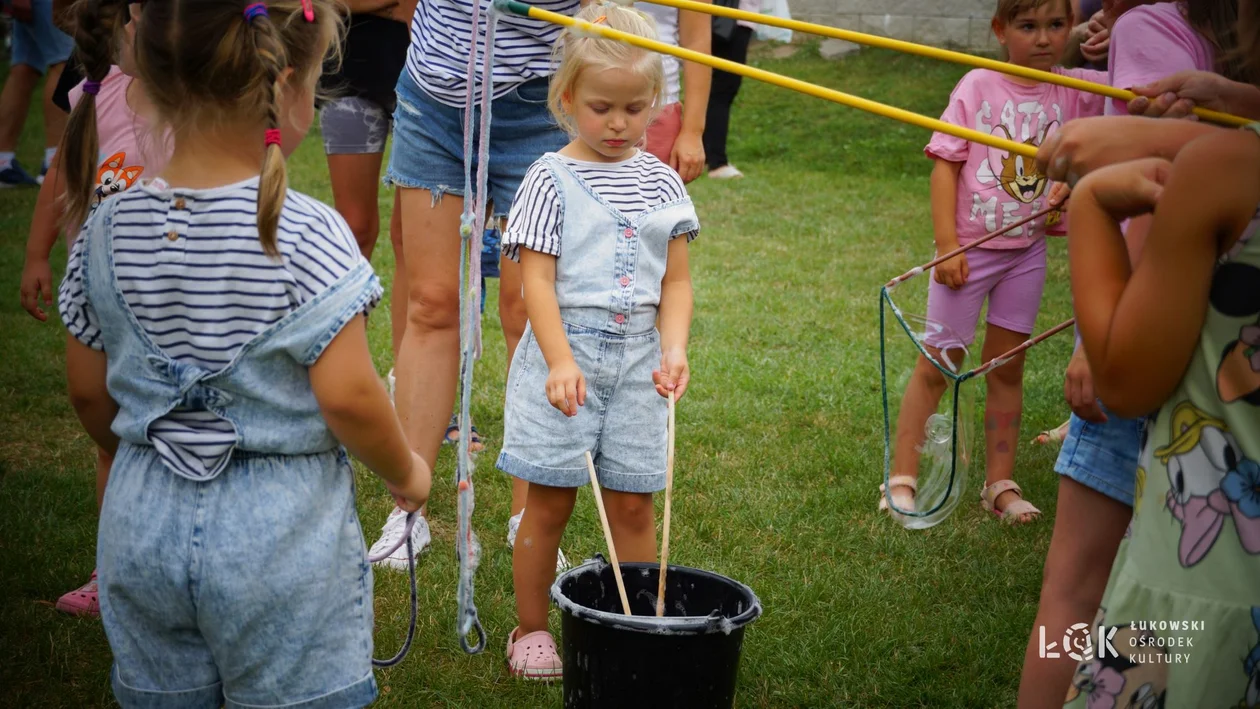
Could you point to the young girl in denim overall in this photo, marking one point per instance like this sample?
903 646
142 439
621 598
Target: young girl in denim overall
218 351
601 229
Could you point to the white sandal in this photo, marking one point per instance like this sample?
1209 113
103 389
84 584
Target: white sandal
894 482
1013 511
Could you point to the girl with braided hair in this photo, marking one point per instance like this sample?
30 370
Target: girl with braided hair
106 150
218 350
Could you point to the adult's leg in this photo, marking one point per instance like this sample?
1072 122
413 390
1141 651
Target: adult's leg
724 88
356 179
428 355
15 102
398 291
1088 528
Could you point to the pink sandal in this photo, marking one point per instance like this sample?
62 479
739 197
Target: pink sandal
534 656
84 601
1015 510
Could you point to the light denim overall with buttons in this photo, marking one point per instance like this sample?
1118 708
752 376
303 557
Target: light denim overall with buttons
249 586
608 286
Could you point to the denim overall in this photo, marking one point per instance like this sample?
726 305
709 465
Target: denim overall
249 587
608 286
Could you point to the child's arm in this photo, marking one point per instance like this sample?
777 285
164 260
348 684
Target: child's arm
1086 144
85 375
566 386
1140 326
954 272
357 409
674 322
36 274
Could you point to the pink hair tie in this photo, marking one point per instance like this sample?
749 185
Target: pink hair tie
308 10
271 136
91 88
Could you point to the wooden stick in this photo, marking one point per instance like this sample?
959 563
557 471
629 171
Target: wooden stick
603 518
669 498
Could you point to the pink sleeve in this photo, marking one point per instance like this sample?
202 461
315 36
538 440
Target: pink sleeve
947 147
1087 103
1146 46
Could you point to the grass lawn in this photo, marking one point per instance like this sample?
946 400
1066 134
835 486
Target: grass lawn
780 443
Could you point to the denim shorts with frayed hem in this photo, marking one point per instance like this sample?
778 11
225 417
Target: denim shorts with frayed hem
428 147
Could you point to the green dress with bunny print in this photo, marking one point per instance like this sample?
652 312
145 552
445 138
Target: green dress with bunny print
1181 615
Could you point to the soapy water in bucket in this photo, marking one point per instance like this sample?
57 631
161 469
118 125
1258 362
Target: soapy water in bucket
945 441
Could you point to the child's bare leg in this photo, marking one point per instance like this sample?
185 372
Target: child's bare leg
1003 407
923 395
104 461
534 555
632 519
1088 527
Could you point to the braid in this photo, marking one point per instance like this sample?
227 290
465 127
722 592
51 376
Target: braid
95 29
273 183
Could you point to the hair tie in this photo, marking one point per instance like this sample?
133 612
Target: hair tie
257 9
308 10
91 88
271 136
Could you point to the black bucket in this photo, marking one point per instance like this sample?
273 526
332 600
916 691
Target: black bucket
689 658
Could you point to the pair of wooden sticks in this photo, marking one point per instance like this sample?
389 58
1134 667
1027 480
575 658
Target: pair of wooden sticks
603 519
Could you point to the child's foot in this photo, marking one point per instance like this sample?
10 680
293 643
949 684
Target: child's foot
1005 499
393 530
514 524
84 600
451 437
534 656
903 489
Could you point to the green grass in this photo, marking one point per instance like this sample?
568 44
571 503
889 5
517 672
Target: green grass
780 443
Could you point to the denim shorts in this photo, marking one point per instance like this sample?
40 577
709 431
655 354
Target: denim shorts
251 589
1103 456
38 43
353 125
428 148
623 423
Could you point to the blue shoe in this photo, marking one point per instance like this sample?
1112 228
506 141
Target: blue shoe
15 176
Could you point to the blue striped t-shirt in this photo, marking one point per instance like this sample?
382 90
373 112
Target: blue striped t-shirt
442 34
192 271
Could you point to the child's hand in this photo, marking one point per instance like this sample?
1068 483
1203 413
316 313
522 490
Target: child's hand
566 388
953 273
673 375
1059 193
412 494
36 285
1129 189
1078 389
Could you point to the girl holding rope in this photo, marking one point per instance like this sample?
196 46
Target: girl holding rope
973 187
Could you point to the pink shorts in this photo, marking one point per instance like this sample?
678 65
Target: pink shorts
1012 279
663 131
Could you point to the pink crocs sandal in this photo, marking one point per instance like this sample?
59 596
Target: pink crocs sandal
534 656
81 601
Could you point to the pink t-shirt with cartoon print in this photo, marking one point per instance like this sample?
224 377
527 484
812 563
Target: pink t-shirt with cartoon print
996 188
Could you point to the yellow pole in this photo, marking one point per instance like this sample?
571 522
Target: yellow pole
786 82
934 53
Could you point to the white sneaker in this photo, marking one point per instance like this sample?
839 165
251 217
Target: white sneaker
395 524
514 524
391 383
726 172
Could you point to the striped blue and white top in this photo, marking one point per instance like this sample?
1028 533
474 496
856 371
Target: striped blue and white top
631 186
442 34
192 271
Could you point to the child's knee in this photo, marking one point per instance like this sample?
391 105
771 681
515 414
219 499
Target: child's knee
1010 374
549 508
632 512
930 376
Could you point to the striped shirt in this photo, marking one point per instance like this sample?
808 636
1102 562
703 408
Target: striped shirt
205 293
442 33
631 186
